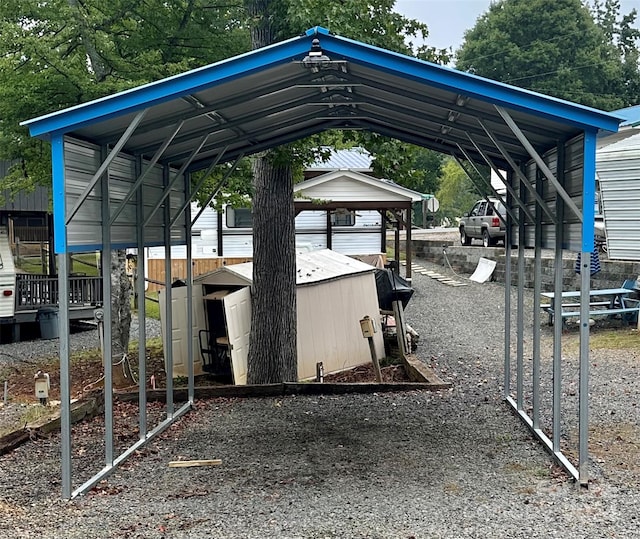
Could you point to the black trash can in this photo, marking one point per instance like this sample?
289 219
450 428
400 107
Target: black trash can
48 319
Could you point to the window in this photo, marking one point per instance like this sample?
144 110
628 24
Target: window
478 209
343 217
239 217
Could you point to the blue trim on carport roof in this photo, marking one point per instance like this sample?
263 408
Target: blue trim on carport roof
167 89
588 191
316 30
470 85
279 53
58 194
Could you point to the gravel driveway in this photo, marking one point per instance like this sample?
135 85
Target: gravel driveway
454 464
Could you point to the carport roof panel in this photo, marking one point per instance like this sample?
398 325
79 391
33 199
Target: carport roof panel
266 97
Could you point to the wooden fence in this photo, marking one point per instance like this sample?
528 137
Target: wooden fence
156 270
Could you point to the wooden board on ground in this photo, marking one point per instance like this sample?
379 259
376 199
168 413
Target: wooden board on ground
191 463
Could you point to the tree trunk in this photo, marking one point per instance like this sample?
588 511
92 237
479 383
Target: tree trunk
261 30
272 350
121 319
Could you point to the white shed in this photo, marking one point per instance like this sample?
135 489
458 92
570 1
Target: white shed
334 292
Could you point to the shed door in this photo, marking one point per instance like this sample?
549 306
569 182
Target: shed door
180 332
237 312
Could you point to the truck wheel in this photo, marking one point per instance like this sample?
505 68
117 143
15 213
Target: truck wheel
486 239
464 239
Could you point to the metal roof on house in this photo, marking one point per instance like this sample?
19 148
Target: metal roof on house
351 159
631 116
628 127
631 143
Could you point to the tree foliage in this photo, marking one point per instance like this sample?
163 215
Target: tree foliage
456 193
555 47
60 53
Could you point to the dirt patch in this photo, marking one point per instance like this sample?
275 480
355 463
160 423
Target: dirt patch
365 373
617 444
86 374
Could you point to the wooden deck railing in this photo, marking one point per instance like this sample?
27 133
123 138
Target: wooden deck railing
28 234
35 291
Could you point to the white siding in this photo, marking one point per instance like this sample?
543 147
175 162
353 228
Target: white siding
311 232
344 189
329 315
7 276
179 330
618 171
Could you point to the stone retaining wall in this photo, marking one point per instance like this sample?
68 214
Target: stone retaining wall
464 260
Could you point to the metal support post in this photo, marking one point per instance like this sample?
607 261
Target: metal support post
108 321
168 315
537 290
142 311
189 261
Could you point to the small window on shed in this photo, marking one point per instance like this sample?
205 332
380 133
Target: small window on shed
343 218
239 217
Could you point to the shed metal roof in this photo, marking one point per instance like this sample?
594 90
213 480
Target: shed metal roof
267 97
311 267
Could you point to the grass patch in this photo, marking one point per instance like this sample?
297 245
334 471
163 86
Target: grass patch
81 263
151 305
154 347
30 264
615 339
31 414
35 413
604 339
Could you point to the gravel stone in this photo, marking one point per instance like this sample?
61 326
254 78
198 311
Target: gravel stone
84 336
417 464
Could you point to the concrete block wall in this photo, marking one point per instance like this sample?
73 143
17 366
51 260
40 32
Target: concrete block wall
463 260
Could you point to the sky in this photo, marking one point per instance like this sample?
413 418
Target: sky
448 19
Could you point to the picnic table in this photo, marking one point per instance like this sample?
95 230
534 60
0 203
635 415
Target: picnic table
606 302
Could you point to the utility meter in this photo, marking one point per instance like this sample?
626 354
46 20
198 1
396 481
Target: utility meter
42 386
367 327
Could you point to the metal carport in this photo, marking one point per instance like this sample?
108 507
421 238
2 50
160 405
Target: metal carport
122 168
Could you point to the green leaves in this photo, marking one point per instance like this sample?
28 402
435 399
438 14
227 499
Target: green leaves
60 53
555 47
